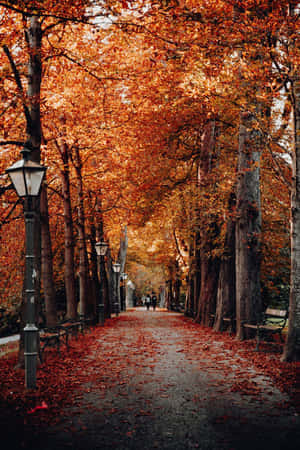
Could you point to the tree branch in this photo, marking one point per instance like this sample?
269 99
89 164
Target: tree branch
19 85
18 143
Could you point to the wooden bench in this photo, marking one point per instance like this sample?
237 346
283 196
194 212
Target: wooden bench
273 322
55 336
85 323
71 327
52 337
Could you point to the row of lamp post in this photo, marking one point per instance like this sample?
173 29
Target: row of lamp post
101 249
27 177
116 289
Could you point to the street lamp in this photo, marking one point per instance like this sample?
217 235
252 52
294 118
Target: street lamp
116 269
27 176
101 248
124 277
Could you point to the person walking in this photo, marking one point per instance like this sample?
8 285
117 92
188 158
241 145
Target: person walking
154 301
148 302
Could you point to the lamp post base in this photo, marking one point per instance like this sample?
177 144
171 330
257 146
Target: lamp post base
116 308
30 355
101 314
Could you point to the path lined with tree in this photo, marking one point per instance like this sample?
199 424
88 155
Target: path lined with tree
155 380
170 131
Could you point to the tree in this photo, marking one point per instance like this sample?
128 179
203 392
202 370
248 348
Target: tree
292 347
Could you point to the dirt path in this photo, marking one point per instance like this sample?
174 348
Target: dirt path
154 381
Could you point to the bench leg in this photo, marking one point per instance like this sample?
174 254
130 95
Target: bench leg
67 340
41 354
257 341
281 338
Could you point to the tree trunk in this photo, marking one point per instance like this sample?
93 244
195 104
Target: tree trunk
196 272
206 301
123 249
87 305
248 227
177 286
190 299
95 283
226 286
292 346
70 285
122 260
110 280
169 296
209 283
47 263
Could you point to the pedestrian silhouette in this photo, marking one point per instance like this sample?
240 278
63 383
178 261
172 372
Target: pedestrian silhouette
148 301
154 301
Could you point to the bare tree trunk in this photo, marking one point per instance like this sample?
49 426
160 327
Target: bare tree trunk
110 282
226 287
122 260
87 306
47 263
169 293
292 346
70 285
206 302
209 283
95 283
190 300
123 249
248 227
177 286
196 272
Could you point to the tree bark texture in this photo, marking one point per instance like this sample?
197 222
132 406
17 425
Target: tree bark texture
248 227
209 284
87 304
226 285
95 282
123 249
206 302
70 284
47 263
292 346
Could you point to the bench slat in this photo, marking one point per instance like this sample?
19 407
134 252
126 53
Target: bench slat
273 323
276 312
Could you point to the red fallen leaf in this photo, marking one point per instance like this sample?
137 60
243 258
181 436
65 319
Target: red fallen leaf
36 408
143 413
221 419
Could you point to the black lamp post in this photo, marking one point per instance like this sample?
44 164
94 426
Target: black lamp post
123 291
27 176
101 248
116 269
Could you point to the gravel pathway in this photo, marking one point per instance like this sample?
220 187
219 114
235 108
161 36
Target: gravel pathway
154 383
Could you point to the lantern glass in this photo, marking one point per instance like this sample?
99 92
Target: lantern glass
117 267
26 177
101 248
